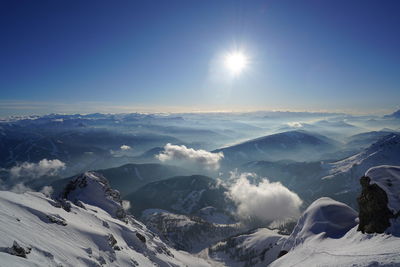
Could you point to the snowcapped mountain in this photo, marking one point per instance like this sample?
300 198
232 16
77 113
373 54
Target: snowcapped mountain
395 115
294 145
345 173
189 233
182 194
86 228
363 140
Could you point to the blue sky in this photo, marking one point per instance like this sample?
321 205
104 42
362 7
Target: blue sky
116 56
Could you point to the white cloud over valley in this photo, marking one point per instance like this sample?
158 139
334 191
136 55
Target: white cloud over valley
266 201
34 170
184 154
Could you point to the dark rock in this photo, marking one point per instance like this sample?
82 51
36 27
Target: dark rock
111 240
141 237
19 251
373 205
105 224
282 253
79 204
56 219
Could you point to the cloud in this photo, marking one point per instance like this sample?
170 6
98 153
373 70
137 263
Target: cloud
295 124
265 201
20 188
47 190
35 170
126 205
181 153
125 147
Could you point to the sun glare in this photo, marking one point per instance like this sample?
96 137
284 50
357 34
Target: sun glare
236 62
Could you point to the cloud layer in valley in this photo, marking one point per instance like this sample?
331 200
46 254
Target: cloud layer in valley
184 154
265 201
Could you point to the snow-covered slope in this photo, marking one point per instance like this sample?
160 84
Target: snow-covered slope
353 249
342 177
257 248
326 235
86 235
386 150
294 145
189 233
325 217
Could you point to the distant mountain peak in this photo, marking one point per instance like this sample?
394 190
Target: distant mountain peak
395 115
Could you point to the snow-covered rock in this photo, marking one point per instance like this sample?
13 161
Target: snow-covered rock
93 189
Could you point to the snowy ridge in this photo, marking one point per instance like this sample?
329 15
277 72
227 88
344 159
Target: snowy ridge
93 188
86 235
349 170
325 217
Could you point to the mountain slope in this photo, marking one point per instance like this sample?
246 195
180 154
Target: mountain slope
188 233
52 233
129 177
295 145
259 247
182 194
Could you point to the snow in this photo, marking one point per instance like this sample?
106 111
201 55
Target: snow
84 240
258 248
326 235
353 249
325 217
189 233
388 178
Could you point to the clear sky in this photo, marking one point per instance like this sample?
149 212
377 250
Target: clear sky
116 56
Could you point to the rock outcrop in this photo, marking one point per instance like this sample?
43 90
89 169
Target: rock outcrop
374 214
93 189
379 202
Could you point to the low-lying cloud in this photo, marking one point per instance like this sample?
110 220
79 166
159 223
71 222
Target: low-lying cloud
125 147
264 202
34 170
184 154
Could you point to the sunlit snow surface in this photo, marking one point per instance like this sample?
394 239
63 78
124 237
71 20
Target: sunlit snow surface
83 241
326 235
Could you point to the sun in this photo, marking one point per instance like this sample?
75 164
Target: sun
236 62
